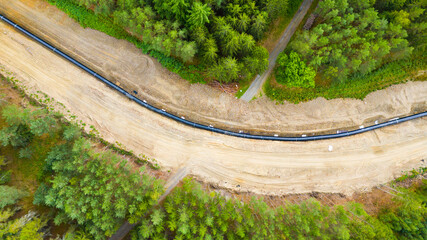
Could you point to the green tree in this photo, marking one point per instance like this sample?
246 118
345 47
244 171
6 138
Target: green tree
188 50
389 5
246 43
224 32
256 62
259 25
232 45
28 227
199 14
226 70
276 8
210 51
10 195
409 220
243 23
200 35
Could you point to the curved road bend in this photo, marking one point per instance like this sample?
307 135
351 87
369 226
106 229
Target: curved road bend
209 128
269 167
257 84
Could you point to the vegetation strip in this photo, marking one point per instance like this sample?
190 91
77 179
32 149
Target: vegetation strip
210 127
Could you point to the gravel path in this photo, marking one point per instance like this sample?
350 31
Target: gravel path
259 81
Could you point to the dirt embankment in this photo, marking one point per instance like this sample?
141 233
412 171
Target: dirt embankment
268 167
122 63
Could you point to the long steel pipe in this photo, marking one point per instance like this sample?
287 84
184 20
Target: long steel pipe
201 126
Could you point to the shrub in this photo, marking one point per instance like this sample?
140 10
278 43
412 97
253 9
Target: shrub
10 195
293 72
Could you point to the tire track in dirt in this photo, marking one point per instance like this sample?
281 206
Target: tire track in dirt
124 64
269 167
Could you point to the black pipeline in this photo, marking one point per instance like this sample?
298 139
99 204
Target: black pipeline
210 127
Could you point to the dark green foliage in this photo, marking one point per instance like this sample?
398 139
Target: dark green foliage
293 72
293 6
409 219
87 18
18 133
4 174
96 190
255 63
411 15
277 8
364 226
182 28
23 126
350 38
389 5
10 195
226 70
40 194
320 48
199 15
191 213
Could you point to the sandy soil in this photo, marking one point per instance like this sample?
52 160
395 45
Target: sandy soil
356 163
121 62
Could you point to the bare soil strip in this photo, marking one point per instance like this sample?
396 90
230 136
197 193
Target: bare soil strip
124 64
266 167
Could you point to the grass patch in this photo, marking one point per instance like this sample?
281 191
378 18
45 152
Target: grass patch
244 86
411 174
242 90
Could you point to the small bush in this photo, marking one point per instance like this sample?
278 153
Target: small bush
10 195
293 72
5 176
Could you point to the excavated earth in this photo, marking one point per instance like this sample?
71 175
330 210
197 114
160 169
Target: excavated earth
268 167
122 63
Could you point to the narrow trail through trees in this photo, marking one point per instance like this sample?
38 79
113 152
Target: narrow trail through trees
172 182
259 81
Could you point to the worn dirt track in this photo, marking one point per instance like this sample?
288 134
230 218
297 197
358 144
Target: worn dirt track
122 63
267 167
259 81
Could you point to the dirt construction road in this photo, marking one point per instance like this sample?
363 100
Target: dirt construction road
124 64
268 167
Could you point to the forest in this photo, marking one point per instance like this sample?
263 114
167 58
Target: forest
351 49
58 181
221 34
348 45
199 40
